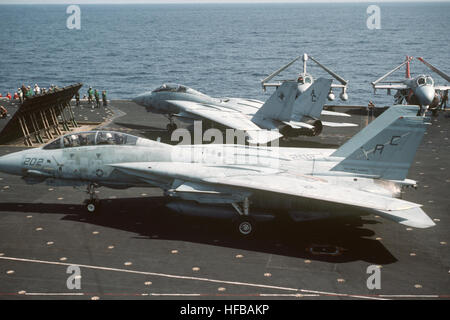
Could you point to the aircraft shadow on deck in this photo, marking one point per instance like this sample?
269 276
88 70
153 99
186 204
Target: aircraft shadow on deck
331 240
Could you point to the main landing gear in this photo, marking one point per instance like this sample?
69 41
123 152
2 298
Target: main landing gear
93 203
245 225
171 126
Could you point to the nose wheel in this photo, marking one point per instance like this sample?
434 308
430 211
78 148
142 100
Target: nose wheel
93 203
92 206
245 225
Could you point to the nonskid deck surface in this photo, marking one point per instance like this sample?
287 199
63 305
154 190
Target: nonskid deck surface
139 249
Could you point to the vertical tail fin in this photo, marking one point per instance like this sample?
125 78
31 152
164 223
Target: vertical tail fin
408 72
374 128
385 148
280 103
310 103
288 103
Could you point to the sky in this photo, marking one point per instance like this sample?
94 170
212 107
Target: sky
194 1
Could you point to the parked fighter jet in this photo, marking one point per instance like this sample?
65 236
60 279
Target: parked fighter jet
305 79
250 183
417 91
291 110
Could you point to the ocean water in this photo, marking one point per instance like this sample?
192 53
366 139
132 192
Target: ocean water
219 49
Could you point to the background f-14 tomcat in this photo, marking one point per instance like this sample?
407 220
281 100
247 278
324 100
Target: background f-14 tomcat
362 176
293 109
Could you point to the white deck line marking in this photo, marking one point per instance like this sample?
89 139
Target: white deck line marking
343 294
295 295
54 294
190 278
409 295
175 294
150 273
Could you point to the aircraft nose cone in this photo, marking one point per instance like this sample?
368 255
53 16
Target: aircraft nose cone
425 95
10 164
142 99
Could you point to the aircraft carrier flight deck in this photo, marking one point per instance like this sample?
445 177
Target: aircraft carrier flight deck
138 248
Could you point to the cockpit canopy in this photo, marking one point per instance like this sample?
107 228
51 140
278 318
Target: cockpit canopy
173 87
170 87
304 79
92 138
425 80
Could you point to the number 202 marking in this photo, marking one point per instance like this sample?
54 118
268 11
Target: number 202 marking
33 162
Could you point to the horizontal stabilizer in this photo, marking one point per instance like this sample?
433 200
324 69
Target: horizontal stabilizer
262 136
338 124
334 113
298 124
412 217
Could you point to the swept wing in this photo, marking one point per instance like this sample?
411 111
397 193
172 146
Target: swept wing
228 118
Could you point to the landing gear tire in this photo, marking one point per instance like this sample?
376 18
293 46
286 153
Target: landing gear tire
93 203
245 227
93 206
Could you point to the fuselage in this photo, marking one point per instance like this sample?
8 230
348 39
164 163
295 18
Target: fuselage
89 157
158 101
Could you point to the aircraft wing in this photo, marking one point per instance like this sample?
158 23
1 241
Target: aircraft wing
313 188
401 211
207 178
397 86
228 118
441 88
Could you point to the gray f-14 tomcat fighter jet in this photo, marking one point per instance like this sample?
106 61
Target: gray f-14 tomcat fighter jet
290 111
246 182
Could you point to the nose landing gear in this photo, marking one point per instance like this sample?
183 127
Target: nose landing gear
171 126
93 203
245 225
